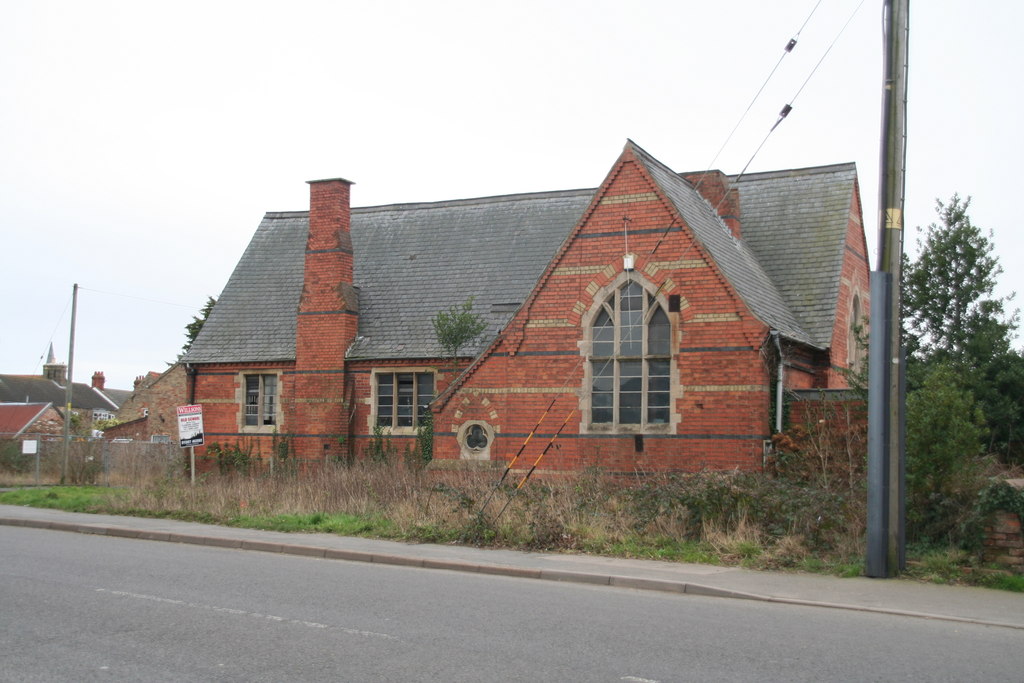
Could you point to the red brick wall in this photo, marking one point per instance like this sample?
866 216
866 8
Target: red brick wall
721 384
855 280
159 397
326 324
219 389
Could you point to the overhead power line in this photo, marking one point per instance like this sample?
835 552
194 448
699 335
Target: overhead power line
786 109
785 51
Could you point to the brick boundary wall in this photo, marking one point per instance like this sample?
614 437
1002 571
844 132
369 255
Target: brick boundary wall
1004 543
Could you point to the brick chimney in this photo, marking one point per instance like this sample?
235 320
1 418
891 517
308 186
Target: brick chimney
713 185
327 320
98 380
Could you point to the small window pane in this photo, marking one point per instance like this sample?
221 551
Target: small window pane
603 376
601 415
657 414
631 376
604 335
658 334
405 400
629 408
424 394
385 400
631 311
269 399
252 400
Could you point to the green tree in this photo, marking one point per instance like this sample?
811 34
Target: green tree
953 317
945 430
193 328
458 327
951 311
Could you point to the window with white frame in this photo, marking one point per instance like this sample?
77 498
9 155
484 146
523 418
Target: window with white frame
260 400
403 398
630 360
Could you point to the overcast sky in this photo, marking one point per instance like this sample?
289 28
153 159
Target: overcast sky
141 142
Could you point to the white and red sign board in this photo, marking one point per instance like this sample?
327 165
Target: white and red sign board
190 426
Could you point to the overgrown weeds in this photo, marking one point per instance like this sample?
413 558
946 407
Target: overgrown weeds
724 517
806 512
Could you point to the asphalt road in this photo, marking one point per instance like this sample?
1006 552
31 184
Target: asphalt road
77 607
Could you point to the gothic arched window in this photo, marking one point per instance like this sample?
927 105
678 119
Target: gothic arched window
854 352
630 360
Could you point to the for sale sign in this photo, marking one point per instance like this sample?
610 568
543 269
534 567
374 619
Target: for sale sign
190 426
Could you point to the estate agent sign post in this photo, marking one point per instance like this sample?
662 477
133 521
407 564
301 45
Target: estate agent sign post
190 433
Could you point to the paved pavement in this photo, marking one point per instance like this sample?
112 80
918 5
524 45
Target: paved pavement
889 596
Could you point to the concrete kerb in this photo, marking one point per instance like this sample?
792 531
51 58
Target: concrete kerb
638 583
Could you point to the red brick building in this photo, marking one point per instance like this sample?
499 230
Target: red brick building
643 322
149 413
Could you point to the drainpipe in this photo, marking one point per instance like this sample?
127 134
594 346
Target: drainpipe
778 384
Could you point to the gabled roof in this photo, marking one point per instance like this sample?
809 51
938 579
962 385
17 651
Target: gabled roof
734 258
796 222
254 318
116 396
17 417
36 389
413 260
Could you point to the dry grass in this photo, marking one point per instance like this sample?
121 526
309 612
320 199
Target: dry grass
749 519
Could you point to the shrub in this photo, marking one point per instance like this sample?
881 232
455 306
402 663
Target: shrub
945 468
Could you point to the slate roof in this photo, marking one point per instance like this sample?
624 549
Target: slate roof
734 257
36 389
796 222
495 248
413 260
254 318
116 396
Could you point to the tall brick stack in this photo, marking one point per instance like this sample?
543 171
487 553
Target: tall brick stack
326 324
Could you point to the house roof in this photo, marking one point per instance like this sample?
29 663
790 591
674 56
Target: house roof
116 396
17 417
413 260
795 222
497 246
254 318
734 257
36 389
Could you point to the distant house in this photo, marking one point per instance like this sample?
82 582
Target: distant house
644 324
148 414
18 420
92 402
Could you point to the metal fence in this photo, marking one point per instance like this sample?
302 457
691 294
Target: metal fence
92 461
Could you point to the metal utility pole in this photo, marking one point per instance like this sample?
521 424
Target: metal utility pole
886 399
69 386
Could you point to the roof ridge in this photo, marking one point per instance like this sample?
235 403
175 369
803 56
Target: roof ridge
733 257
490 199
445 203
795 172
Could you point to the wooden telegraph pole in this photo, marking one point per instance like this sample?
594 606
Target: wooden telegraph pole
886 381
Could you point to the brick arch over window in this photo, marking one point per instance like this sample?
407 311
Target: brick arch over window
628 349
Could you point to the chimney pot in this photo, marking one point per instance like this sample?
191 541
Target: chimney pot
98 380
